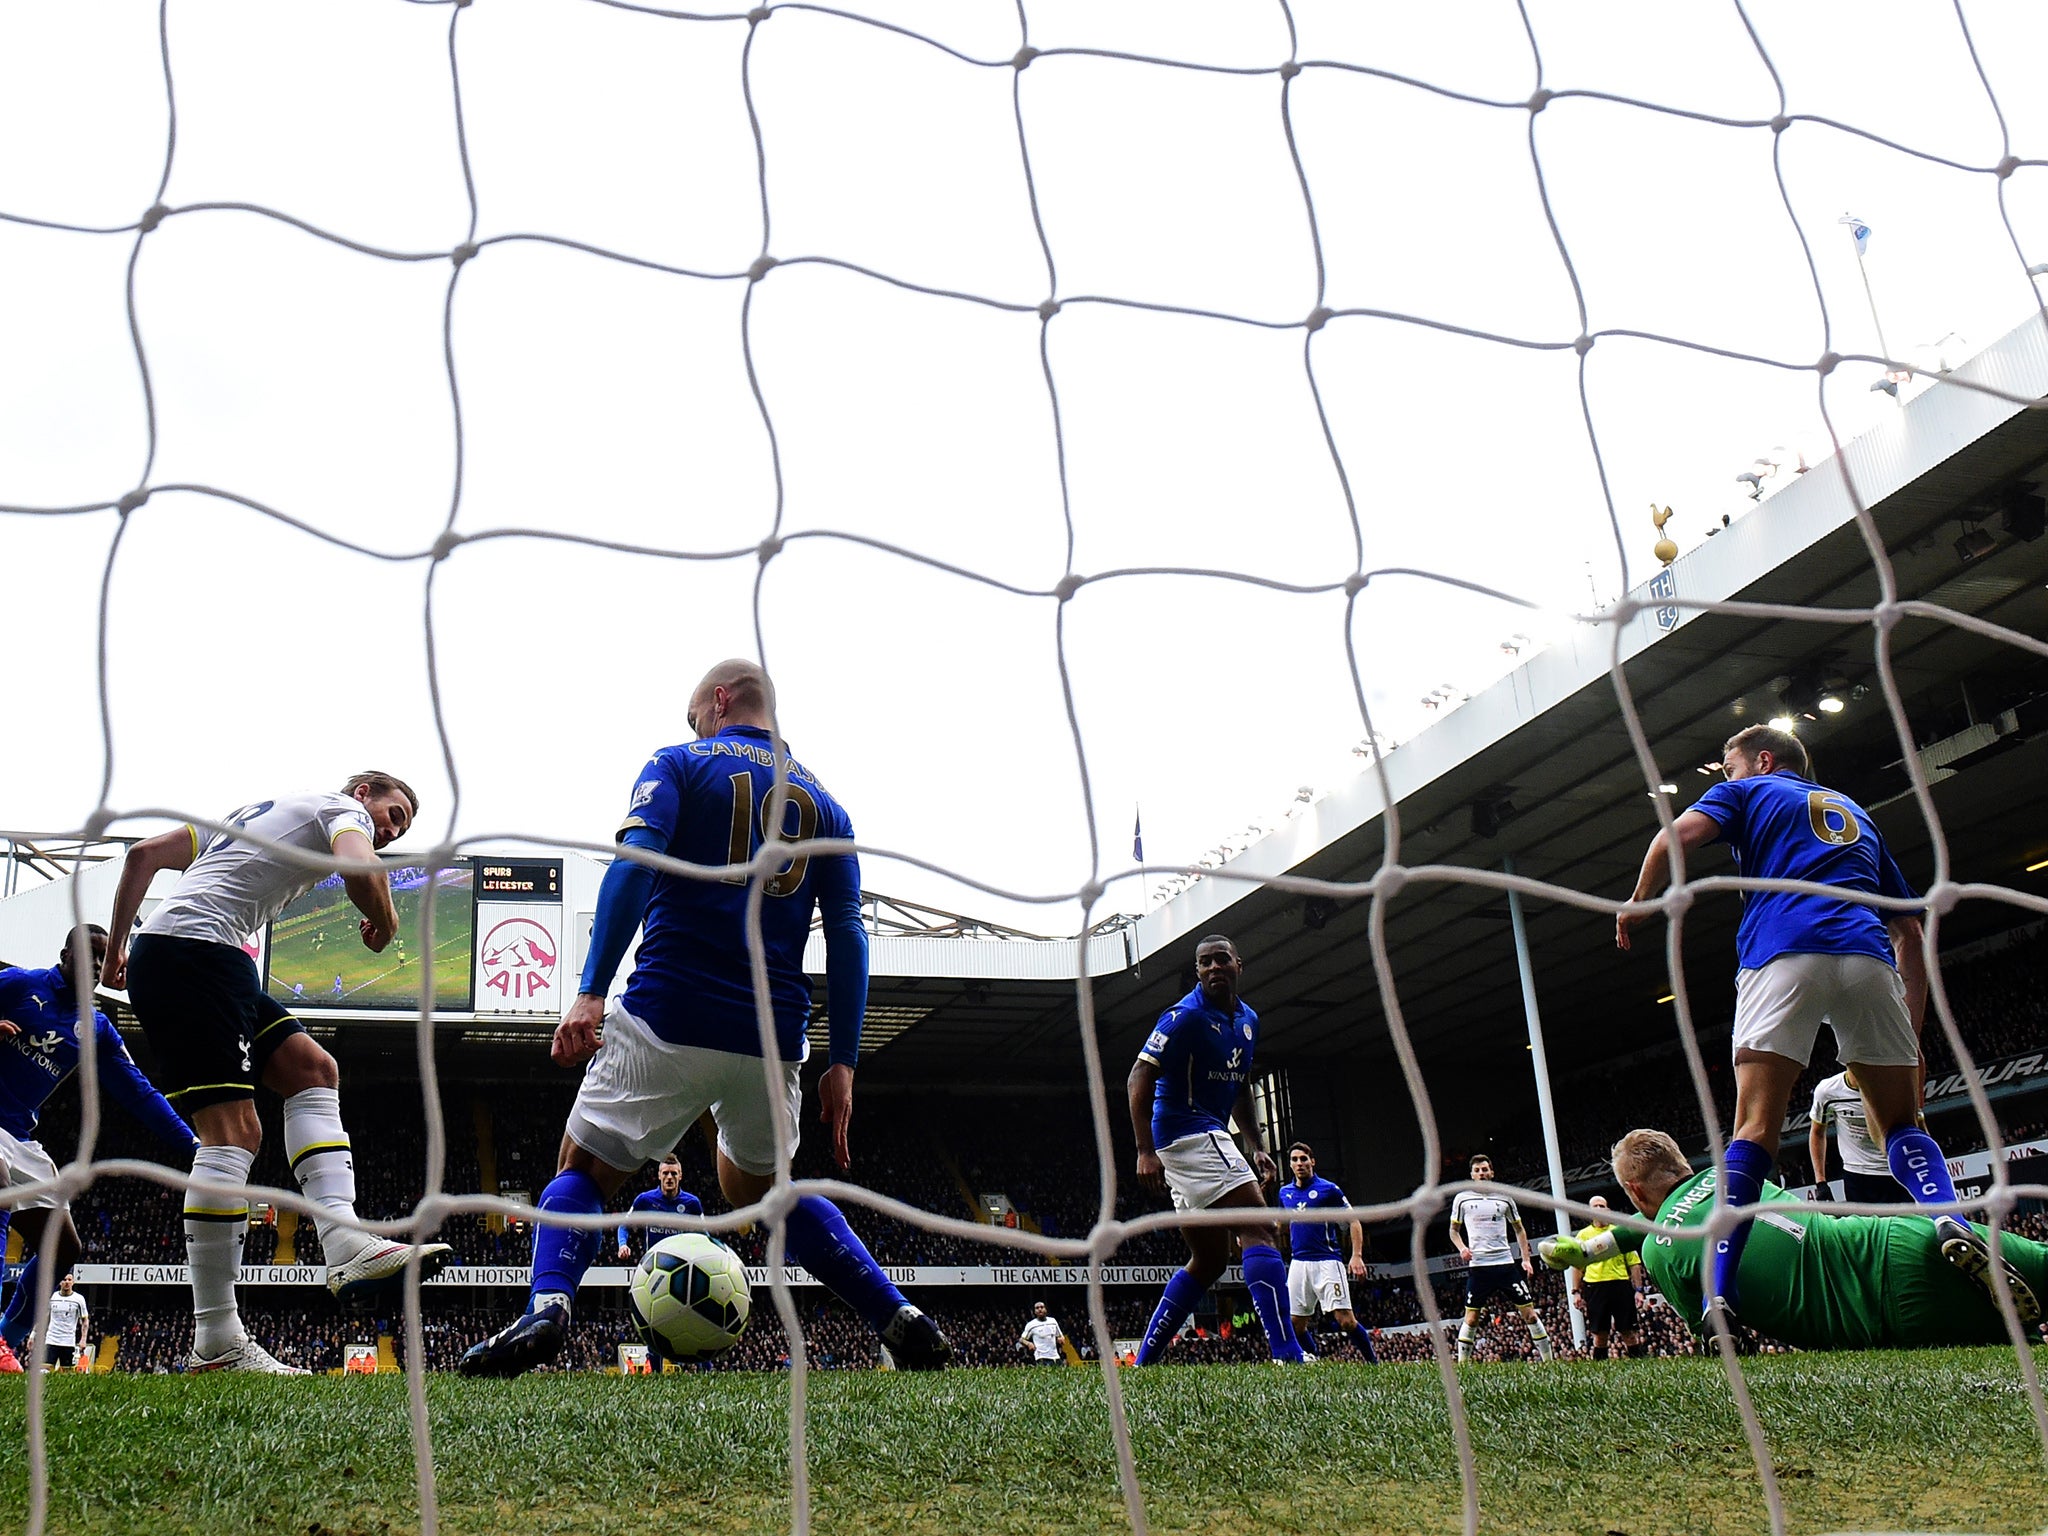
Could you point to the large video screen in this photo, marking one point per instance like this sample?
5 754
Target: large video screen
317 959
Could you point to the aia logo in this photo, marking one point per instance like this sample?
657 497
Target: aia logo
519 959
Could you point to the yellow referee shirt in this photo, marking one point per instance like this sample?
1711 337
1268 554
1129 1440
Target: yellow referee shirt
1615 1268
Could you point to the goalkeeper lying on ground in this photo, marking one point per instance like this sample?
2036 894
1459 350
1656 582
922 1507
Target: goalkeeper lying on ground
1810 1280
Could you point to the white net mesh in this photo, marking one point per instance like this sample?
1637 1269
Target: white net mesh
1282 221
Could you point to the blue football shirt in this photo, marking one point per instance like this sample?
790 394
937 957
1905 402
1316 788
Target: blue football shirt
707 800
1204 1058
1313 1239
33 1063
1782 827
684 1204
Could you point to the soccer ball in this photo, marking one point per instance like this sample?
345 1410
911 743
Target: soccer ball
690 1297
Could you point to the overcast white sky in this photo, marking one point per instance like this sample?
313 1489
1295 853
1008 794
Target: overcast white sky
606 400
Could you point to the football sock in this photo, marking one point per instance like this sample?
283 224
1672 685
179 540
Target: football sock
1599 1351
1265 1276
1638 1351
1540 1336
1363 1340
215 1226
1464 1341
321 1161
21 1305
819 1239
562 1254
1742 1182
1918 1165
1182 1291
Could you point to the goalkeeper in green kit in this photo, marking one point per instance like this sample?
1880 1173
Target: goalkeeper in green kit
1810 1280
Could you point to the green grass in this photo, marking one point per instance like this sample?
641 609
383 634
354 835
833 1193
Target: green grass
1932 1441
369 979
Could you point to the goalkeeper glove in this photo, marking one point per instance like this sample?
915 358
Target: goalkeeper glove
1562 1252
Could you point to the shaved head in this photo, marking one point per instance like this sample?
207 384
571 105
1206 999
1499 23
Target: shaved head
735 692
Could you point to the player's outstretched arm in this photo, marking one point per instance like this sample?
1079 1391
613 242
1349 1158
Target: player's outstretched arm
1138 1088
846 995
622 898
1693 829
175 849
136 1093
1565 1252
1909 950
369 890
1246 1114
1357 1250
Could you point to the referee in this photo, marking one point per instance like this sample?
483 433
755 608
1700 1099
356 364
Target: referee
1608 1293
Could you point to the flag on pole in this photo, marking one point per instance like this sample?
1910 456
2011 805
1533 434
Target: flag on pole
1138 836
1859 232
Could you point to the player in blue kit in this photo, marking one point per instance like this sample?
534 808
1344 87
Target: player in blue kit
1192 1076
39 1015
684 1037
668 1197
1316 1272
1805 960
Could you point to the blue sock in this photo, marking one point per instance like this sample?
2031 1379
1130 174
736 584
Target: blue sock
1918 1165
820 1240
1265 1276
562 1254
1364 1342
1742 1182
1182 1291
21 1306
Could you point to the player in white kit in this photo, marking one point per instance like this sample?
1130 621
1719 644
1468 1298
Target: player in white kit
1866 1171
70 1320
1043 1335
1480 1224
216 1034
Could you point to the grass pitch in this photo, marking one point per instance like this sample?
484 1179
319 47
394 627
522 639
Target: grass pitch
317 940
1929 1441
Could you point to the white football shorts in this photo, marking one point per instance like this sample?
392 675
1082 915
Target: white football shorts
1781 1005
25 1162
640 1095
1313 1283
1202 1168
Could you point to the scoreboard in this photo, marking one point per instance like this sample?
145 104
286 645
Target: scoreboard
518 880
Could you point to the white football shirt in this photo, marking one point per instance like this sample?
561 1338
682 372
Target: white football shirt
1487 1220
232 887
1836 1103
67 1317
1043 1335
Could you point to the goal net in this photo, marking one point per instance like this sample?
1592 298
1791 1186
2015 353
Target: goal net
1159 405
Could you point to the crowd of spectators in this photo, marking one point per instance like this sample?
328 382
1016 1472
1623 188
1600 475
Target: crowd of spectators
155 1337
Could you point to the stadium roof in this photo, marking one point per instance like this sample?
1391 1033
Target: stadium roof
1547 751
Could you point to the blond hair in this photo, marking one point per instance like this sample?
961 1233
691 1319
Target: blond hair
1641 1154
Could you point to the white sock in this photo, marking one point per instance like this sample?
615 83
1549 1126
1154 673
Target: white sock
1464 1341
321 1161
1541 1335
214 1229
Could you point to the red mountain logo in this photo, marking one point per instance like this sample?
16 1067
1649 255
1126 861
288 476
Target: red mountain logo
519 958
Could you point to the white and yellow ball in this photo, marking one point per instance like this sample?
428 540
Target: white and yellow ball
690 1297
